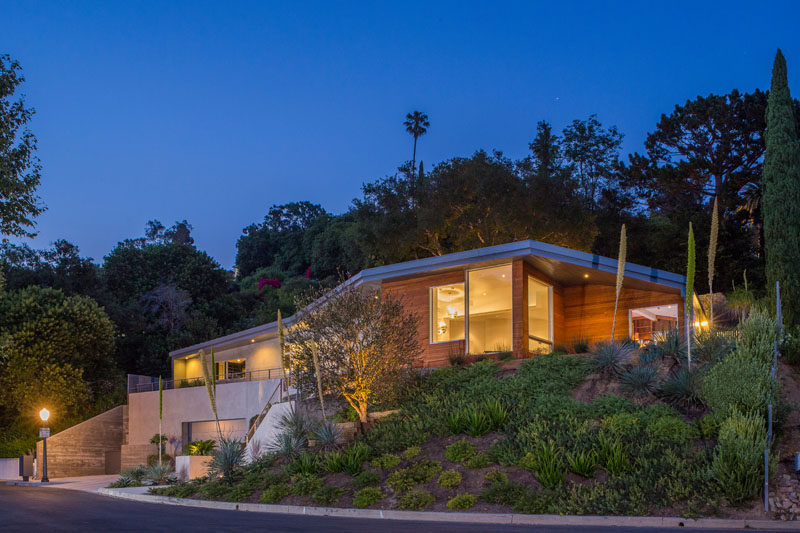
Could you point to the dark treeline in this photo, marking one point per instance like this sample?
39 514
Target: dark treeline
573 189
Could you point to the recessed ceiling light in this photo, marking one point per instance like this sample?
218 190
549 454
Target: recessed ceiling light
586 275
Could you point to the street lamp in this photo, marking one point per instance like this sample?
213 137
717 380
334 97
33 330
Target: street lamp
44 432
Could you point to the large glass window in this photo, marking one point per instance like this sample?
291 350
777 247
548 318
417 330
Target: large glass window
447 313
540 336
489 309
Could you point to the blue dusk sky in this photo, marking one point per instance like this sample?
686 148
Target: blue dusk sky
213 111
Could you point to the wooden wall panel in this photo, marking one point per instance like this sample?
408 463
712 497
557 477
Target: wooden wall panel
589 310
415 293
519 309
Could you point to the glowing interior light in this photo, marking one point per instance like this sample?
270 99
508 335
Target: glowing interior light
704 323
697 324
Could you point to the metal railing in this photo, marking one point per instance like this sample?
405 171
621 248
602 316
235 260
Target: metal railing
150 383
267 406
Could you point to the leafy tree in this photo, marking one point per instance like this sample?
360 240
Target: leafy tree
179 233
417 125
55 350
278 240
46 325
19 166
59 267
593 153
364 339
782 194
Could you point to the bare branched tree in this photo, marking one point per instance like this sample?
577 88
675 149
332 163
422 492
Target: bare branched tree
365 342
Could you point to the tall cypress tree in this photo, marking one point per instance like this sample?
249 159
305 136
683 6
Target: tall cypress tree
781 201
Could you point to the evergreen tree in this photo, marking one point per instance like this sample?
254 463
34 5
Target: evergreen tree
781 201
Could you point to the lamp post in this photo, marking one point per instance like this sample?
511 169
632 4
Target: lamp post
44 432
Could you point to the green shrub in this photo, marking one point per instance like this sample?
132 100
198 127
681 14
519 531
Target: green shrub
327 495
496 413
455 421
462 502
305 484
366 497
669 428
639 380
504 492
354 458
459 451
201 447
609 357
476 423
738 464
415 500
620 424
738 383
548 464
583 463
411 452
326 434
387 461
479 460
420 472
682 388
334 461
367 478
612 456
450 478
708 426
757 333
712 346
275 493
305 463
495 475
215 490
580 345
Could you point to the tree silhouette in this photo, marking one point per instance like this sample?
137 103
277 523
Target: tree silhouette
417 125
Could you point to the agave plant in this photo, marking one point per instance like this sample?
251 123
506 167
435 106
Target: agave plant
286 445
682 388
609 357
672 345
639 379
227 459
157 474
326 434
297 422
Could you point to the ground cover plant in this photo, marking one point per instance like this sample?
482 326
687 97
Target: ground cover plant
475 437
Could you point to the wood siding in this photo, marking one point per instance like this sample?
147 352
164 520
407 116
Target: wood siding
415 294
579 312
589 310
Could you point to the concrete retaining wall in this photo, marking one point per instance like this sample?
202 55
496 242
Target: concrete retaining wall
87 449
240 400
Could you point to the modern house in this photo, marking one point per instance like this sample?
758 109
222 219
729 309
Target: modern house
525 297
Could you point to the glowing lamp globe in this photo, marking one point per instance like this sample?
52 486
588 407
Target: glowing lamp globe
44 414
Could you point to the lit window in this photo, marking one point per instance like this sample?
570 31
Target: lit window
490 310
540 337
447 313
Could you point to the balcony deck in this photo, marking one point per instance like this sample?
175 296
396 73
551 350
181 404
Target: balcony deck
138 383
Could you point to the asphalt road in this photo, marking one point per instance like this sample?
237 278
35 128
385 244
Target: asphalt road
49 509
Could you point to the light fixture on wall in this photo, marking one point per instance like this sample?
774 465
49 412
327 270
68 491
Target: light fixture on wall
442 328
586 275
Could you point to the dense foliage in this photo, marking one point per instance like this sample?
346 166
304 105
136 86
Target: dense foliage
782 193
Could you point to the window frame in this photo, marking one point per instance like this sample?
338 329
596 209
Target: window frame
430 311
549 314
466 302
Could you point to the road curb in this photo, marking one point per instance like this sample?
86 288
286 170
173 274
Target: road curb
455 517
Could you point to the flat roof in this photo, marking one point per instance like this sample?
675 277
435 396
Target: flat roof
543 255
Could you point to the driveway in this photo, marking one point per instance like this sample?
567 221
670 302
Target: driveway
83 483
55 509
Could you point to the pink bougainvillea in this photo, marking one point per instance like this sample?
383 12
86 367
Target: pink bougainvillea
272 282
308 273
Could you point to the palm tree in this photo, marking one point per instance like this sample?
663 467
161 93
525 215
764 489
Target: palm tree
417 125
